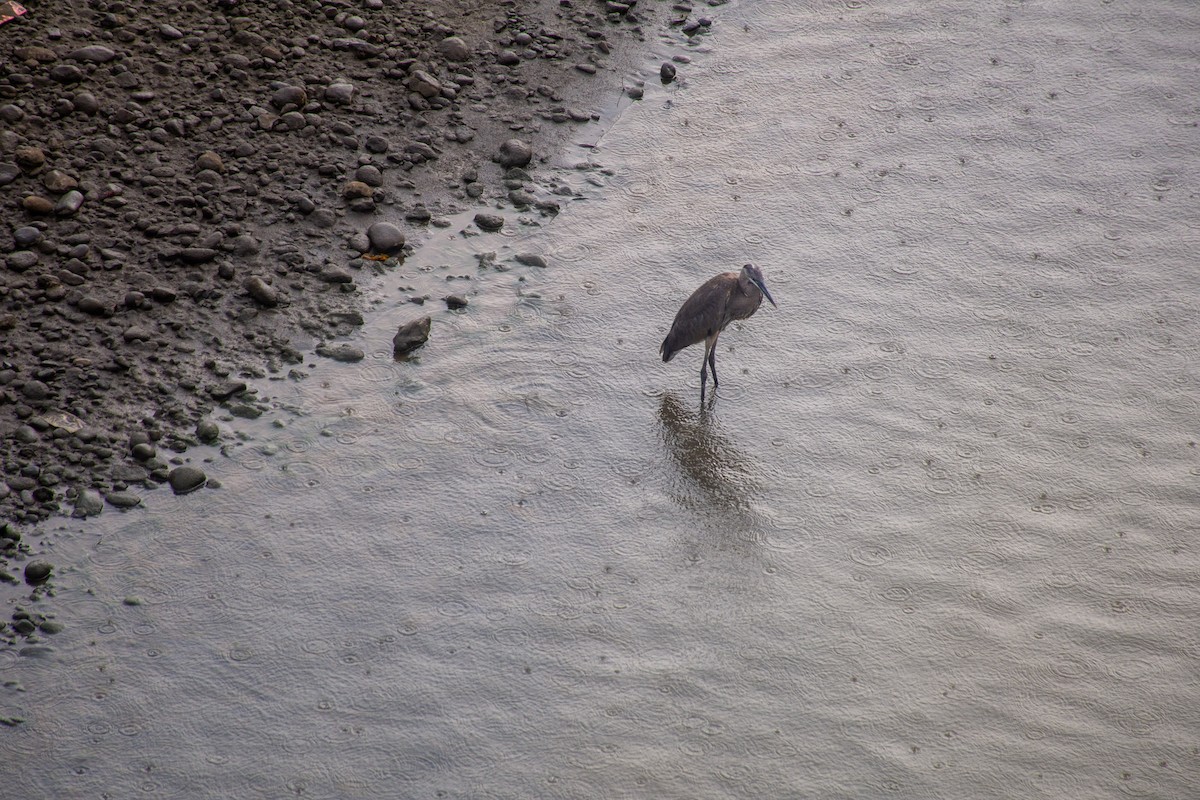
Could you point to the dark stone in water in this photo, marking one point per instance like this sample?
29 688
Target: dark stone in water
385 238
245 411
187 479
489 222
207 431
123 499
88 503
37 571
342 352
410 336
531 259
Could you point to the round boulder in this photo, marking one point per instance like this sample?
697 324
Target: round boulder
207 431
340 93
489 222
289 96
186 479
514 153
454 48
37 571
385 238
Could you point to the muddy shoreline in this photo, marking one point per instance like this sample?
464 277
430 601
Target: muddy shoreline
187 195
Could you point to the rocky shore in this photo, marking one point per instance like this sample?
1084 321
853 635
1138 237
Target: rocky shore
194 195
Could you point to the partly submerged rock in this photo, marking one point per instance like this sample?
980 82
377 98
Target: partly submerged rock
187 479
410 336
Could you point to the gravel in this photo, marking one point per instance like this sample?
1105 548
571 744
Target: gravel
174 177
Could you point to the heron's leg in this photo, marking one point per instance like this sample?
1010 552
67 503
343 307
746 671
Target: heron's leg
708 344
712 357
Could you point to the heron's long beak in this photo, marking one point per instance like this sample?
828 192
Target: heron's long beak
763 288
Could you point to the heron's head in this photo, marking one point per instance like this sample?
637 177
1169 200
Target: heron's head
754 274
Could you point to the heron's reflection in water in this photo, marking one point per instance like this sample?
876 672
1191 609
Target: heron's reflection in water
715 475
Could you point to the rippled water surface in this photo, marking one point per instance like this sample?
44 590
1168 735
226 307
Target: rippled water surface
934 538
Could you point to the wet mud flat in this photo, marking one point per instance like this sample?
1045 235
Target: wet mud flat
188 189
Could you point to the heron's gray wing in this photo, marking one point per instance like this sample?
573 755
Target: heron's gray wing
701 315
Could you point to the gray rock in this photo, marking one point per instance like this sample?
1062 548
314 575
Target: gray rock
370 175
341 352
531 259
66 73
35 390
122 500
514 153
143 451
226 390
94 306
69 203
453 48
8 173
94 53
424 84
245 245
245 411
336 275
88 503
136 333
38 571
289 96
25 434
210 160
207 431
197 255
30 158
262 292
21 483
489 222
186 479
420 214
57 181
86 103
385 238
666 72
21 260
339 93
454 301
129 473
410 336
520 198
507 58
423 150
323 218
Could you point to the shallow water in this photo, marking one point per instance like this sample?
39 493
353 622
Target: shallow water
933 538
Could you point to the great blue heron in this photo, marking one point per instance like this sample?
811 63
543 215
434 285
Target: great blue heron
702 317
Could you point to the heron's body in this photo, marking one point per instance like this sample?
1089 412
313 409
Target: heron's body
719 301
